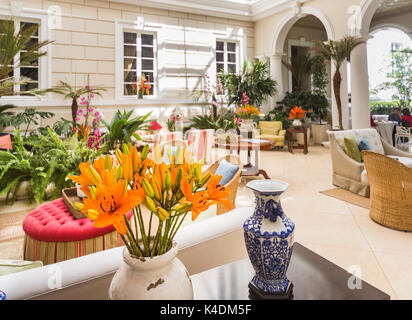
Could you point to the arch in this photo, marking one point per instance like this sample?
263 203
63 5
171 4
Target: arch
392 26
367 11
289 20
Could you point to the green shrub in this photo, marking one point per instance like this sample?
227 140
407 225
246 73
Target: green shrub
381 107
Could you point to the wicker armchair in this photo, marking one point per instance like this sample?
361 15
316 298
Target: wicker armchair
232 184
390 190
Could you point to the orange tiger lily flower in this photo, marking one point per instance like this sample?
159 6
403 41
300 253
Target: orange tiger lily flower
199 200
296 113
218 193
111 204
84 179
127 167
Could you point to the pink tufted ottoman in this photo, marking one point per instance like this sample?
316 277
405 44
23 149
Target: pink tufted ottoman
53 235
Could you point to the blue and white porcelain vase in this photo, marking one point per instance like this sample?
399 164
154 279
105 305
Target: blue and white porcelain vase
269 238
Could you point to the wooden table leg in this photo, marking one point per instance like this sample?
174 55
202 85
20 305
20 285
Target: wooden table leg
305 150
264 174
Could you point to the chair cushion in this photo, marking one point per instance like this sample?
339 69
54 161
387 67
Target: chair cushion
271 131
272 137
351 148
53 222
227 170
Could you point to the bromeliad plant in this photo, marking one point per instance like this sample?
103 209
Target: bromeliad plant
116 185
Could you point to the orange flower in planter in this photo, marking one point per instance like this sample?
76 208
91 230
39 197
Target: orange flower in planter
297 113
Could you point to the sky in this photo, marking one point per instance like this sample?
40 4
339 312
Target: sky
379 49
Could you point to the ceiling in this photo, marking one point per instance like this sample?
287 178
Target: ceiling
393 8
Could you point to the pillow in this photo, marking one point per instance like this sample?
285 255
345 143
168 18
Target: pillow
351 148
364 145
227 170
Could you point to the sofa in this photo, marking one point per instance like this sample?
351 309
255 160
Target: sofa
272 130
350 174
202 246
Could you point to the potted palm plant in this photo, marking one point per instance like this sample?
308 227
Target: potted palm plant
338 52
253 80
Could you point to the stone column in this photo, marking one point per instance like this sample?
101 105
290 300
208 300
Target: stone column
343 96
276 74
360 87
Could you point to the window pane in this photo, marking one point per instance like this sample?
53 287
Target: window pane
231 57
220 46
147 52
28 86
147 39
151 90
149 76
231 47
129 64
32 42
129 89
130 76
26 25
219 56
147 64
231 68
31 73
27 59
129 37
129 51
220 67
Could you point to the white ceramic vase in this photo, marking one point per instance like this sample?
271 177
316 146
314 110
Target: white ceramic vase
162 277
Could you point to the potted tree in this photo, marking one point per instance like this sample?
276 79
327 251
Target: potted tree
319 103
338 52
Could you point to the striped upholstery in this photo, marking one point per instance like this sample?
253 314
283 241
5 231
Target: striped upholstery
52 252
53 235
200 144
163 137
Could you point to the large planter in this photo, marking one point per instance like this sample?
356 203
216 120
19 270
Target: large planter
319 132
269 240
159 278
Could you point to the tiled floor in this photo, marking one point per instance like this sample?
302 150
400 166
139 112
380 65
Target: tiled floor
340 232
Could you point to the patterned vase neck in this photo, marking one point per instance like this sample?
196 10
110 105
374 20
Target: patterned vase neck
269 216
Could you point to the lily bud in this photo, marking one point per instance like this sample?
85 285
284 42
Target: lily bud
119 173
78 205
108 162
178 178
183 207
93 192
95 175
148 190
205 179
150 204
118 154
125 149
125 187
92 214
168 183
156 189
162 214
145 152
179 155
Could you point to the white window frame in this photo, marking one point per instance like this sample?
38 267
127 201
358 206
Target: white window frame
138 27
41 17
225 52
230 35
